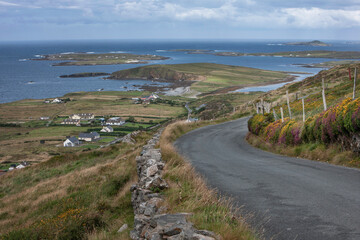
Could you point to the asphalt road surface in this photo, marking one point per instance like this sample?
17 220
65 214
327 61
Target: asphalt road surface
288 198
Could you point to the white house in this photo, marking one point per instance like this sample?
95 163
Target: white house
82 116
70 121
71 142
118 121
56 100
89 137
44 118
20 166
107 129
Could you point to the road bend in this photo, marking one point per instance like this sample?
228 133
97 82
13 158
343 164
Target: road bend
288 198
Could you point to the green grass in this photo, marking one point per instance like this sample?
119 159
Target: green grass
212 76
71 196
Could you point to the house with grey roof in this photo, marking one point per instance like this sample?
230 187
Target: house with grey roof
89 137
71 142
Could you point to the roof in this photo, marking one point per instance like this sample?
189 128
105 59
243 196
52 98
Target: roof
73 139
89 135
109 127
85 135
71 120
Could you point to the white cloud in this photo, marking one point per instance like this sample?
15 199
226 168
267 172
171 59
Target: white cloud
321 18
2 3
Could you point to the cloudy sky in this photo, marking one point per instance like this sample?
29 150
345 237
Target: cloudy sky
182 19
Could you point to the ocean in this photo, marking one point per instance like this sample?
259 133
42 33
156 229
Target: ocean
21 78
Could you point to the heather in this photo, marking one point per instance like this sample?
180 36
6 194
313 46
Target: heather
338 124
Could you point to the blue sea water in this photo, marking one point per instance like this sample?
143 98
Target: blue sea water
21 78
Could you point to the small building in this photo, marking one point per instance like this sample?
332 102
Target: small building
117 121
71 142
107 129
20 166
149 98
44 118
82 116
70 121
89 137
56 100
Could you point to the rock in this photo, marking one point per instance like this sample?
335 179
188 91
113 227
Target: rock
151 171
156 182
123 228
197 236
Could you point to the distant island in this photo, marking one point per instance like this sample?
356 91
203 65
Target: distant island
85 59
86 74
299 54
315 43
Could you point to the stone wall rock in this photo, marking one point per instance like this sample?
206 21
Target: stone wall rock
151 221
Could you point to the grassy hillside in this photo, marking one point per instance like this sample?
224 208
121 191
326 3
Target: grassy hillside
71 196
329 135
208 76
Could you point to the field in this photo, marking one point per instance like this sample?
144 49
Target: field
204 77
21 129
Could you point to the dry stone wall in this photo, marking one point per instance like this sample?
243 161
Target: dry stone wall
151 221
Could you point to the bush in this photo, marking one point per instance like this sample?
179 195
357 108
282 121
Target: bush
338 122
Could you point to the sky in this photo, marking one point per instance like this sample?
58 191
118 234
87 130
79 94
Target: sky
182 19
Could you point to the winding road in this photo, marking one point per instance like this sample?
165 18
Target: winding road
286 198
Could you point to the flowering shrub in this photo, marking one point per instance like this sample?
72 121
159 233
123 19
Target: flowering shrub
258 122
326 127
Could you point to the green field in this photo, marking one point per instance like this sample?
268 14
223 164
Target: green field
206 77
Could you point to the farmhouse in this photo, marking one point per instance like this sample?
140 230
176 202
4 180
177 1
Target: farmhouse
89 137
149 98
117 121
71 142
56 100
107 129
82 116
70 121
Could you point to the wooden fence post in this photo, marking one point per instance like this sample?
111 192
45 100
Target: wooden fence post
354 84
282 114
275 116
288 103
323 94
303 105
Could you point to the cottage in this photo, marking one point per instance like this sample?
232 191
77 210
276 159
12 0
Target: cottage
71 142
20 166
82 116
150 98
107 129
70 121
89 137
118 121
56 100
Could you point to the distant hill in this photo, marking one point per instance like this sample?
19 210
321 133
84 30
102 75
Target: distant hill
312 43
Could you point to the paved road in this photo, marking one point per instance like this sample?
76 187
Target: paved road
290 198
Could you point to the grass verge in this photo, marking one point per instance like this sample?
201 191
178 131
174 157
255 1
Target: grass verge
188 192
314 151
